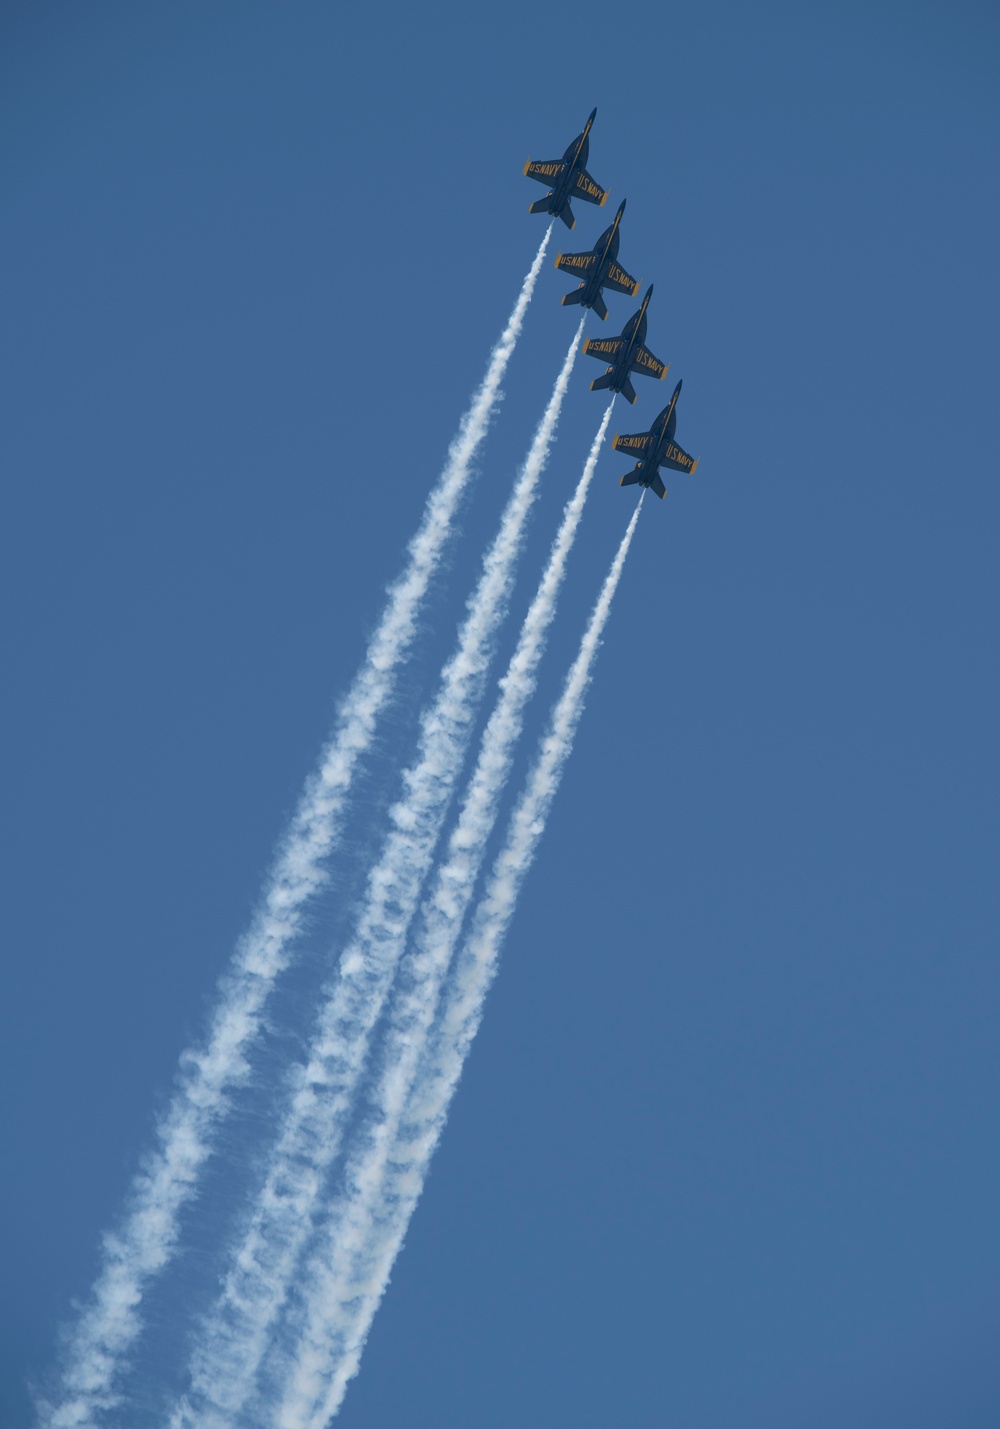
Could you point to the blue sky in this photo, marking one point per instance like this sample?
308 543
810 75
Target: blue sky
725 1152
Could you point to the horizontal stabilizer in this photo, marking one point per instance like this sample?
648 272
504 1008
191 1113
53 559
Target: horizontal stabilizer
600 307
600 383
575 296
566 214
657 485
631 477
628 391
542 205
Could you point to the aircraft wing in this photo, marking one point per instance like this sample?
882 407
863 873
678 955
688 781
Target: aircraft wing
578 263
606 349
621 282
636 444
584 187
650 365
677 459
546 171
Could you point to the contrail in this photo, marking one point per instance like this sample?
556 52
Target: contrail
324 1366
372 1173
234 1338
147 1238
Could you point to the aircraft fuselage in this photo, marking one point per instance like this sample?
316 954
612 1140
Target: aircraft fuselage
575 159
633 335
662 447
606 251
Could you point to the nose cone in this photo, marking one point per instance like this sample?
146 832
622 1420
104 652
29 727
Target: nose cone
593 116
621 209
649 292
679 386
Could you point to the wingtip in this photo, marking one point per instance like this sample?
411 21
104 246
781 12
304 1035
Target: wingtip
694 466
527 166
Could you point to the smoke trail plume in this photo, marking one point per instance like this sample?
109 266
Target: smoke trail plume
372 1174
235 1336
323 1368
147 1238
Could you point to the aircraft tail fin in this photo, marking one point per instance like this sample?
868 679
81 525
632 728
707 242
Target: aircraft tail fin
600 383
631 477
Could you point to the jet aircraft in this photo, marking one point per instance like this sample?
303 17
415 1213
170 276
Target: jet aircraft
567 178
598 269
626 355
654 449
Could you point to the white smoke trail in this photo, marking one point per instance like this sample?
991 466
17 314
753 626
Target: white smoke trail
351 1235
234 1338
319 1382
145 1242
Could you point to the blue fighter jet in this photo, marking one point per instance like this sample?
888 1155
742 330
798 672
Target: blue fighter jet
567 178
598 269
626 354
654 449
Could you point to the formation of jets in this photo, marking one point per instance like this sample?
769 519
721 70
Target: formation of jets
626 354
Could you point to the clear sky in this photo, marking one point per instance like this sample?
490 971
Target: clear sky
726 1151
